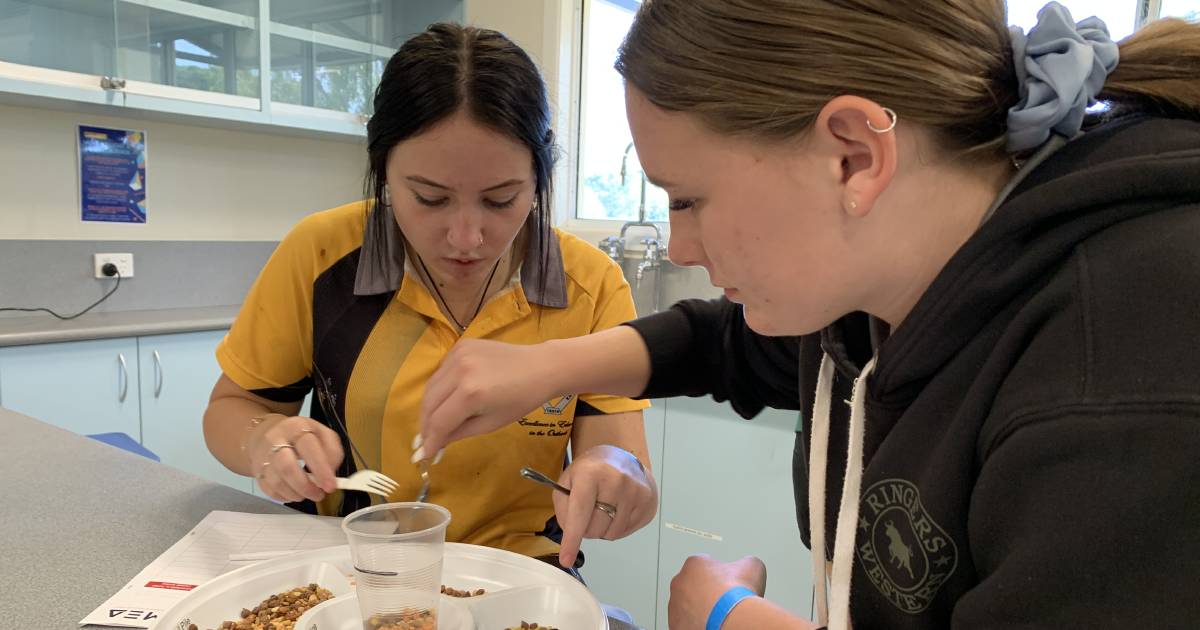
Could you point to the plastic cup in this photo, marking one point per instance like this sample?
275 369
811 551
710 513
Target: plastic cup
397 550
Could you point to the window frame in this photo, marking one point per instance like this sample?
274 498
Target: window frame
592 229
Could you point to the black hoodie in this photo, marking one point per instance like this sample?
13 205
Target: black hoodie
1032 440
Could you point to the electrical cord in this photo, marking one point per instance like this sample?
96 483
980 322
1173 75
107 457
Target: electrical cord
108 269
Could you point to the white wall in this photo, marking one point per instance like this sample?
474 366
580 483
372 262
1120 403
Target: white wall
533 24
545 29
202 183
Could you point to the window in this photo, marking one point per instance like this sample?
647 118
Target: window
1119 15
1186 9
604 132
604 144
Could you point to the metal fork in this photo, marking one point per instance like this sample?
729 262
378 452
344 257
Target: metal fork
533 475
424 493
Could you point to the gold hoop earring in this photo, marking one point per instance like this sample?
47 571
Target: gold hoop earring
891 115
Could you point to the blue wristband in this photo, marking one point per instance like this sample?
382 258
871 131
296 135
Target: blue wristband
725 605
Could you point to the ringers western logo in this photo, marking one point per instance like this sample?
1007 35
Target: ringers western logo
907 555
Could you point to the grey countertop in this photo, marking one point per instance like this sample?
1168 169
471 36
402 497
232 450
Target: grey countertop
21 331
81 518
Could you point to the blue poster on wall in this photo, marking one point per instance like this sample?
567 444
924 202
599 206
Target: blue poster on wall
112 175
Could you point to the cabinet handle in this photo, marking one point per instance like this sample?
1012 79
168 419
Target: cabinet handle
124 377
158 374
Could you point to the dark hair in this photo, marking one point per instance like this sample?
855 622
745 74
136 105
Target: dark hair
448 68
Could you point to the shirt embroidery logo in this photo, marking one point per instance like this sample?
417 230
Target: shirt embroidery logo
326 398
906 555
556 406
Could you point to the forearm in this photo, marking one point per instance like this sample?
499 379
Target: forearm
614 361
230 420
623 430
757 612
705 348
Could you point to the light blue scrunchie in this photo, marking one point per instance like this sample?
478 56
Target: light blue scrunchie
1061 67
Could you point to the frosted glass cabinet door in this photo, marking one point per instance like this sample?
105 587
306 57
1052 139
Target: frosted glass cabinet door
728 493
332 59
177 374
210 47
70 35
83 386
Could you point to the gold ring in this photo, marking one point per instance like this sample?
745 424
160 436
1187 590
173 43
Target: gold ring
609 509
280 447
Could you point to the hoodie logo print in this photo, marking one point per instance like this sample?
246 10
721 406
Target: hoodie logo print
906 555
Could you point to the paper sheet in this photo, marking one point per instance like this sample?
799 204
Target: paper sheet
203 554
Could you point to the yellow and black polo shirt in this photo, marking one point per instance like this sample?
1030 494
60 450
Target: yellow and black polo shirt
336 312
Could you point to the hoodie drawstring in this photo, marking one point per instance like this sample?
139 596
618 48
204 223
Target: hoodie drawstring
833 608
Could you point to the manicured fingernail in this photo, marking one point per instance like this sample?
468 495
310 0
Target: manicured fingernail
437 459
418 455
418 440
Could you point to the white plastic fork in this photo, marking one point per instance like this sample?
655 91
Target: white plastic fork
368 481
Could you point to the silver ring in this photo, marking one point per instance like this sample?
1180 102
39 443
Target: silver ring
609 509
301 434
280 447
892 115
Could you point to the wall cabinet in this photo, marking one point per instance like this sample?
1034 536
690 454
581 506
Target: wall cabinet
296 64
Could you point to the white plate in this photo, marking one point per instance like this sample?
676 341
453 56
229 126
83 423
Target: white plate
550 596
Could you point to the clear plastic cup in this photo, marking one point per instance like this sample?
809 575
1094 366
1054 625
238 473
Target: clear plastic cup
397 550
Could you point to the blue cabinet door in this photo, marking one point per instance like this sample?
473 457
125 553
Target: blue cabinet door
728 493
177 374
624 573
83 386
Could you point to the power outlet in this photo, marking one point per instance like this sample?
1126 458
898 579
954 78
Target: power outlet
124 263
